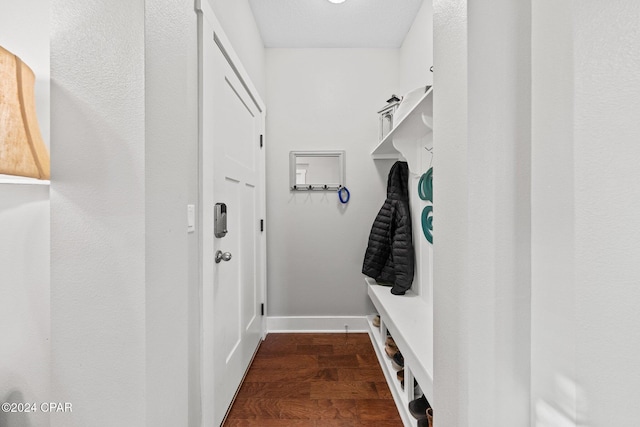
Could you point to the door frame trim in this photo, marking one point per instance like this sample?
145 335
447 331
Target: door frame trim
204 10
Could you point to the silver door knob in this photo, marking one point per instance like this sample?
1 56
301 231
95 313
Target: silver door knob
220 256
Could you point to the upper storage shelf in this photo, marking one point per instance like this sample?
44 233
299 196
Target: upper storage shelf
401 141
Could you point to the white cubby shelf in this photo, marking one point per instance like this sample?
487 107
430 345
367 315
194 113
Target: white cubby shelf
409 320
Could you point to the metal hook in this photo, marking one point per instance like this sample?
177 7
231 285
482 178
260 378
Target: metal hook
430 151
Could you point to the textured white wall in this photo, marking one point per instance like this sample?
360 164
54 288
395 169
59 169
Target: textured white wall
171 182
24 300
499 144
607 197
239 25
24 237
553 329
98 212
450 216
585 223
323 99
481 192
416 53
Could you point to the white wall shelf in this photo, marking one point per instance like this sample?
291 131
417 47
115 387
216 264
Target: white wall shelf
22 180
401 141
409 319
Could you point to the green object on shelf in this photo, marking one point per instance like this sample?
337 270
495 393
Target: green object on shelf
427 223
425 186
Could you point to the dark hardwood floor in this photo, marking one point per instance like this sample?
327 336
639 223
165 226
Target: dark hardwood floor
314 380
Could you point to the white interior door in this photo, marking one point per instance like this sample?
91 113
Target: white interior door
232 173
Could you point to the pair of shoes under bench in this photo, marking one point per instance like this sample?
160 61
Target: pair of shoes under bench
418 407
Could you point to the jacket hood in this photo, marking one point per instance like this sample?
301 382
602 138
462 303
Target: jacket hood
398 182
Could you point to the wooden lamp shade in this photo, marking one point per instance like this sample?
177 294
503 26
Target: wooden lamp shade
22 150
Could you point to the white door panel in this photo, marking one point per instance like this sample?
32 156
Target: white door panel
232 172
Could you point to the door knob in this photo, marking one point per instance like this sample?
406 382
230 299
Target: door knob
220 256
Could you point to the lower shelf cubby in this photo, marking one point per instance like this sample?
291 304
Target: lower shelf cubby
409 320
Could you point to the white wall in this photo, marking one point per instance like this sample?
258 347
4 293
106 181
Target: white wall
323 99
450 128
98 212
171 182
553 328
584 227
607 108
239 25
303 115
24 300
481 225
24 237
416 53
584 210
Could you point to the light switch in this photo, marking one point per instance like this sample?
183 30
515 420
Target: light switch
191 218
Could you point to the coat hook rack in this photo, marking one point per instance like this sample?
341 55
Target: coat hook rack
316 170
316 187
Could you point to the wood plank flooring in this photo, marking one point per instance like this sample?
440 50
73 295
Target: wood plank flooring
314 380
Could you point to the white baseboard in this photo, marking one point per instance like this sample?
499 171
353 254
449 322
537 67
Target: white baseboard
316 324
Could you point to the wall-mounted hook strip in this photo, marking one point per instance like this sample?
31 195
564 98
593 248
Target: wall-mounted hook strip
315 187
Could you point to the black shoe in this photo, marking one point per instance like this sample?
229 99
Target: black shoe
398 361
415 383
418 408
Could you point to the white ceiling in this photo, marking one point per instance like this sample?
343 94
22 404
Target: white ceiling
319 23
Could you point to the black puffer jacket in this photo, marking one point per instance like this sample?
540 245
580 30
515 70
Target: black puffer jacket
389 257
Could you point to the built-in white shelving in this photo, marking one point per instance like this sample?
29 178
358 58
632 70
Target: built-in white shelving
401 396
409 319
400 142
